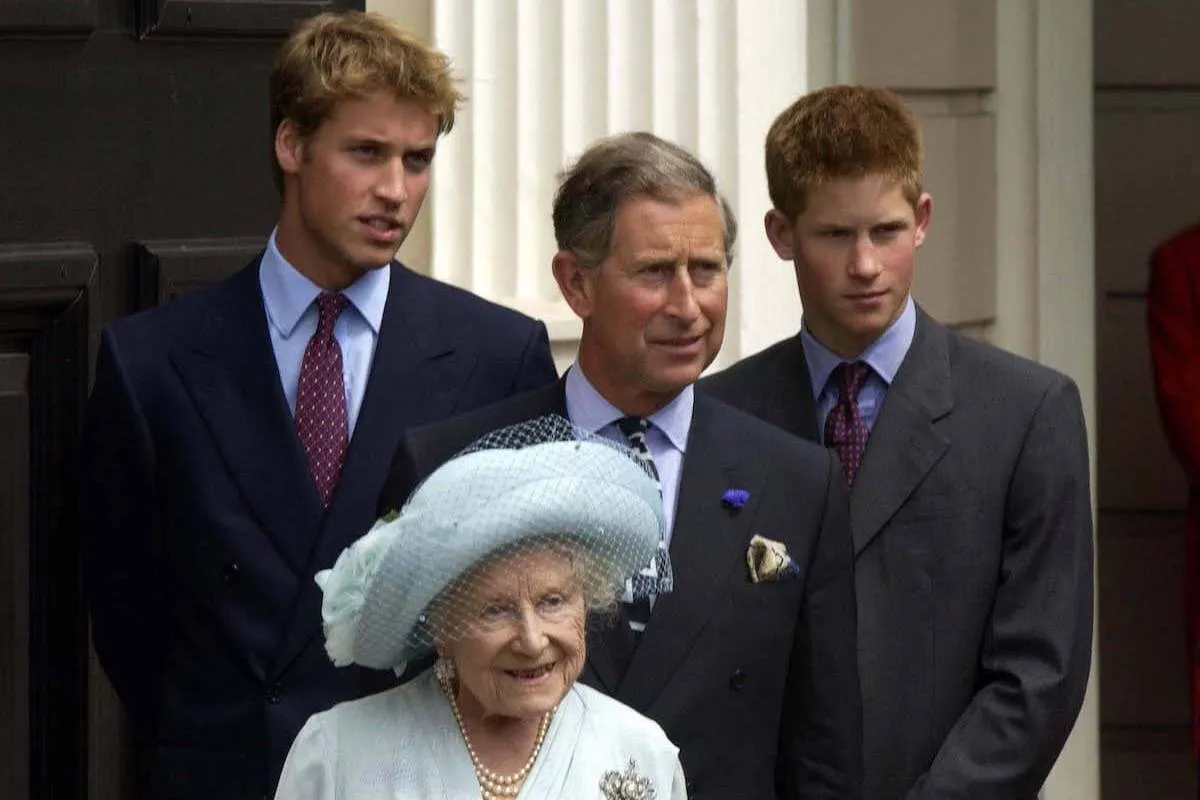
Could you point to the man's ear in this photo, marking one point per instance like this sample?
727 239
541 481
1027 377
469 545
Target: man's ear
574 282
923 212
289 147
779 233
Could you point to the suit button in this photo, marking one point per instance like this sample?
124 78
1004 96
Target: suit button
274 694
737 680
231 573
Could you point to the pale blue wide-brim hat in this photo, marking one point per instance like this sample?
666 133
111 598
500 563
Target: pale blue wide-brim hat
488 501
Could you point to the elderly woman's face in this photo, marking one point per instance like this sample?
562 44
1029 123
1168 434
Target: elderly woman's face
523 644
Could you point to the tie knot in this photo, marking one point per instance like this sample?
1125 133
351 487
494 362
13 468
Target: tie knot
633 426
329 307
850 379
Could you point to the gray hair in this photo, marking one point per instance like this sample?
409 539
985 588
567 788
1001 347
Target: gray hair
616 169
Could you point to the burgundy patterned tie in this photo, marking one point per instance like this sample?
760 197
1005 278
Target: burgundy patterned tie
321 400
845 430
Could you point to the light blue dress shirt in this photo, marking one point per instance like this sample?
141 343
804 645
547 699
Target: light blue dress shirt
884 356
666 436
292 320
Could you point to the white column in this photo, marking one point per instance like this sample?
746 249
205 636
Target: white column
1066 282
1045 247
545 79
771 74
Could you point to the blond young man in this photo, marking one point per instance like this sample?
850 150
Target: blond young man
236 438
968 469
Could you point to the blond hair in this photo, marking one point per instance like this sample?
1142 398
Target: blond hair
351 55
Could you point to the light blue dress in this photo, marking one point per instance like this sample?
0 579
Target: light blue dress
404 743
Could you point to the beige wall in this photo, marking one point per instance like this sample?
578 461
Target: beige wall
1147 112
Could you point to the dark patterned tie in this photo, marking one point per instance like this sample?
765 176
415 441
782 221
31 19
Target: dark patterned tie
845 430
655 577
321 400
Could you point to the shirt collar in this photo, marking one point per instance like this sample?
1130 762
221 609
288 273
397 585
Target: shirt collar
287 294
884 355
588 409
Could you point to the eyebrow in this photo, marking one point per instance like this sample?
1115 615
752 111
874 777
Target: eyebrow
665 258
841 226
384 144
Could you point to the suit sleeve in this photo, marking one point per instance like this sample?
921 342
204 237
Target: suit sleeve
820 747
537 363
1036 652
1173 323
122 567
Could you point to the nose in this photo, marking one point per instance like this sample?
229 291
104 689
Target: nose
681 297
392 185
531 636
865 263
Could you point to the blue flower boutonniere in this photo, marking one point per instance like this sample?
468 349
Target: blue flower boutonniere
734 498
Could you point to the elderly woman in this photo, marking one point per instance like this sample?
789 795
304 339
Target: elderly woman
494 564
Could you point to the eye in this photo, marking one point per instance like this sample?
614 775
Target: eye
418 161
494 611
656 273
889 230
554 603
835 233
705 272
365 151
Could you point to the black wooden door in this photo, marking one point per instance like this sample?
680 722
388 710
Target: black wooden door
134 163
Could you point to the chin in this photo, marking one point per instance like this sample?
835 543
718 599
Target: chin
674 381
371 263
534 707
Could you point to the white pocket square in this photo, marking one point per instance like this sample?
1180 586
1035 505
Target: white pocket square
769 561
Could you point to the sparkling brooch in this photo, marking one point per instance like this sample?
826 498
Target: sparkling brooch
627 785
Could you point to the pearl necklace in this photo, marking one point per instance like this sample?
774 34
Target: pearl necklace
494 785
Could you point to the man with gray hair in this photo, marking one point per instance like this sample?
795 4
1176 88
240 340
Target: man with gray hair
738 638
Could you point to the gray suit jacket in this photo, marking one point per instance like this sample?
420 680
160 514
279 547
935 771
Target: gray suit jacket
972 529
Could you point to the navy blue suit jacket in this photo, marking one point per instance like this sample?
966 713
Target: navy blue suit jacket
203 528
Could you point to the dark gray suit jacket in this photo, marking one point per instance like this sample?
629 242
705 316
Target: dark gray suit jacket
973 561
755 683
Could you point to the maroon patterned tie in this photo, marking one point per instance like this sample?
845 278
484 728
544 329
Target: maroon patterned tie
321 400
845 430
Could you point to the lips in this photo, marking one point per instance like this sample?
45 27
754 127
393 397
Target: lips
680 343
380 222
382 227
861 296
530 674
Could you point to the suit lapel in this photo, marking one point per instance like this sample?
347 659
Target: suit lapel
787 400
231 375
905 442
708 544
